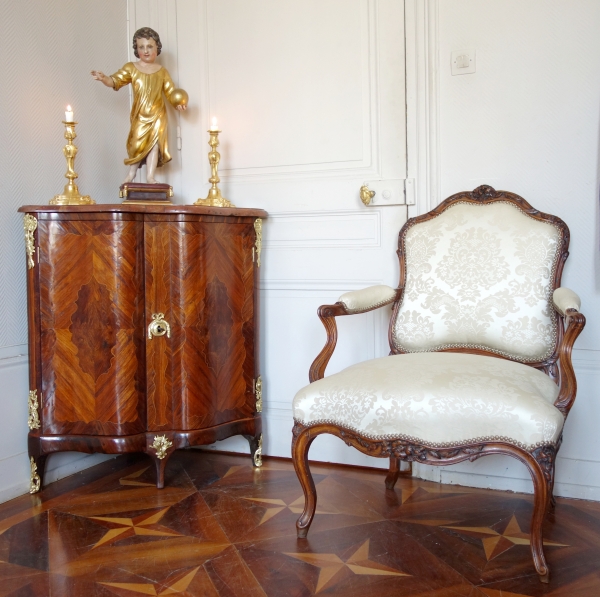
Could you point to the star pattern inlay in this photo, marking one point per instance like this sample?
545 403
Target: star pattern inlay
132 479
274 506
494 593
333 569
419 492
496 543
179 586
121 528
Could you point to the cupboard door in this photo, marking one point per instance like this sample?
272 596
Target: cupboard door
92 323
200 275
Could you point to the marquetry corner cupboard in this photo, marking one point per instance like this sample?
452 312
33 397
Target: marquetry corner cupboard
143 329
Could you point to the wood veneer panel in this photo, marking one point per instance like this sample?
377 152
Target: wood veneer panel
199 273
91 324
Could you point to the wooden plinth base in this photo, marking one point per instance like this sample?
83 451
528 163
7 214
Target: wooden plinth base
153 194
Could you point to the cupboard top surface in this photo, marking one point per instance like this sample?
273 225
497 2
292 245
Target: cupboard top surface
146 209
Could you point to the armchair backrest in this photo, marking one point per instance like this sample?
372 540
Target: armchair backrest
478 274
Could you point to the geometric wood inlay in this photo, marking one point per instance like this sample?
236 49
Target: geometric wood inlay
218 529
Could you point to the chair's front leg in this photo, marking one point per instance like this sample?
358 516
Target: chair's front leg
540 508
302 439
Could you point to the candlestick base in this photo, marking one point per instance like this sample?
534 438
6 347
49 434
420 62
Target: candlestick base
214 199
71 196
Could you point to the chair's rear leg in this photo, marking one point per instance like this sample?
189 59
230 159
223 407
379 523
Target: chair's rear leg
394 472
300 446
551 498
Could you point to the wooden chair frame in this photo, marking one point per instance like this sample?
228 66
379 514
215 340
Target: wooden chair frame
539 462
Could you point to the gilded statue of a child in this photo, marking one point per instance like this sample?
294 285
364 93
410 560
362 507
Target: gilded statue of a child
147 140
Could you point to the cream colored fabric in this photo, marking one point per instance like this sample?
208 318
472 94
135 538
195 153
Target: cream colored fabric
479 276
367 298
565 298
437 399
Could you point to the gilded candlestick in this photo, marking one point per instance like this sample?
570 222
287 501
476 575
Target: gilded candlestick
214 199
71 194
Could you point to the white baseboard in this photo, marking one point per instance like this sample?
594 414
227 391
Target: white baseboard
16 468
575 479
65 464
277 441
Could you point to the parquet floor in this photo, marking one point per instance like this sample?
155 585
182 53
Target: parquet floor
222 528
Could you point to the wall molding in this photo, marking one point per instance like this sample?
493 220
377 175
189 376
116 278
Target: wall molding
13 355
422 102
586 361
323 229
304 285
369 165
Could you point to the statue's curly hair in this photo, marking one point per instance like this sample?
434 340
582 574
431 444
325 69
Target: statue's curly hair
146 33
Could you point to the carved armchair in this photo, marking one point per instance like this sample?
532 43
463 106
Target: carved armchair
481 338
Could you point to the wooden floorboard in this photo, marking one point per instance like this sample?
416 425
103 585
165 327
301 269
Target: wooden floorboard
222 528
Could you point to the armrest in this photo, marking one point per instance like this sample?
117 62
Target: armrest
564 299
350 303
567 304
367 299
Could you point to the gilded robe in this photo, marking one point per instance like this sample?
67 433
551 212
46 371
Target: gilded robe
148 112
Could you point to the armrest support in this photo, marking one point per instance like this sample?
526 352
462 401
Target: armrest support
358 301
567 305
565 299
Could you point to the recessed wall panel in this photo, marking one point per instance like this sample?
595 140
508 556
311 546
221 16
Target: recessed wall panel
298 93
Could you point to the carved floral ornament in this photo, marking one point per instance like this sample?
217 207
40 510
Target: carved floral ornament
258 453
258 228
258 391
34 482
30 225
161 444
34 420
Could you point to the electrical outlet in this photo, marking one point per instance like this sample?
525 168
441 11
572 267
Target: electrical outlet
463 62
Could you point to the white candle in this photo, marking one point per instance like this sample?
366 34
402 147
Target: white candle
214 126
69 114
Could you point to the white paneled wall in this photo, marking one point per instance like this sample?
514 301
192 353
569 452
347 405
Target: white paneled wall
311 99
528 121
48 50
309 95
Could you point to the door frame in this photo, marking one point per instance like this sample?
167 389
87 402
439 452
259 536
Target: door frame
422 102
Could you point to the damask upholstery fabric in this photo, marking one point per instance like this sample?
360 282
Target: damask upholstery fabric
565 298
367 298
437 399
479 276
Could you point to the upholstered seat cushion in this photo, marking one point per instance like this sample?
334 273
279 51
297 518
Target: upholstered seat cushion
437 399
